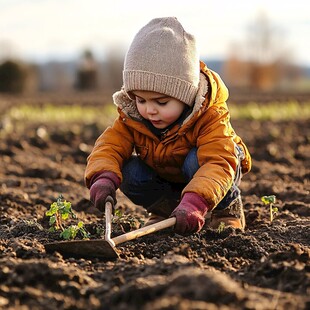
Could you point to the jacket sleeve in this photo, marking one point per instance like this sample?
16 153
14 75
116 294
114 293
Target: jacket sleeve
216 155
112 147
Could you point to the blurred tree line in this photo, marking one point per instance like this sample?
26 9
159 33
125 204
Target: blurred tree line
90 75
86 74
260 63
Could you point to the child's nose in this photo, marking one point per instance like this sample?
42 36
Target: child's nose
150 108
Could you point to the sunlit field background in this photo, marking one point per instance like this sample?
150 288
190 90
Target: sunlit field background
17 117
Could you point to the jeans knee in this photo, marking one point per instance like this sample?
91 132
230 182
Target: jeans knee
141 183
136 172
190 165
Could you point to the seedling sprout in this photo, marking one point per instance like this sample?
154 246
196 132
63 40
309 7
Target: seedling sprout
270 200
59 212
221 227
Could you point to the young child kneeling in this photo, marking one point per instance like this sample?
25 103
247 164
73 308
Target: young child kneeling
172 149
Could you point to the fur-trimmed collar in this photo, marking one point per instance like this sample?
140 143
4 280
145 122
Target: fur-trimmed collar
128 106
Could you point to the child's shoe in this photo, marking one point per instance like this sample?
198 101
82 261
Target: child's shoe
232 216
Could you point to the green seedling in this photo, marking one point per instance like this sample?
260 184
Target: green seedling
221 227
72 231
59 212
125 222
270 200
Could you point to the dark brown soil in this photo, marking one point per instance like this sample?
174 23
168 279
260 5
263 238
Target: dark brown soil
266 267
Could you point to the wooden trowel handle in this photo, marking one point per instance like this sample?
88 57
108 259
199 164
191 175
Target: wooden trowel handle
145 230
108 218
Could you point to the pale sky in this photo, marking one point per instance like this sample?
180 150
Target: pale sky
38 30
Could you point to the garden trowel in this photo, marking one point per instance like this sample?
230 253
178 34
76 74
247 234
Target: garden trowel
105 248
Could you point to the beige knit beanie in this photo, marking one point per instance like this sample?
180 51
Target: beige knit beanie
163 58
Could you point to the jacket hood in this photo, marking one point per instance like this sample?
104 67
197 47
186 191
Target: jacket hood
211 90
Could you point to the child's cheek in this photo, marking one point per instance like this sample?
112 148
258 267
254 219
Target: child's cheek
141 110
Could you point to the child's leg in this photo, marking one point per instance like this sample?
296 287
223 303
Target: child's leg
234 191
141 184
229 211
191 165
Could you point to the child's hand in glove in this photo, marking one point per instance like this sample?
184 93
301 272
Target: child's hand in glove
190 214
103 184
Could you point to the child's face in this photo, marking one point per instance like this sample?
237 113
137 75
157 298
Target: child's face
161 110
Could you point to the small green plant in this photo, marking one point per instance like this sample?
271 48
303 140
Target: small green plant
270 200
59 212
221 227
125 222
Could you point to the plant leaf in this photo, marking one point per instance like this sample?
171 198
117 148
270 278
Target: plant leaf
52 220
268 199
64 216
66 234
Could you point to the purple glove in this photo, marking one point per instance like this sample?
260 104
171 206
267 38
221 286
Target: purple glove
103 184
190 214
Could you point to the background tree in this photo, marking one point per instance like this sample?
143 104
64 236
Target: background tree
13 77
87 75
262 61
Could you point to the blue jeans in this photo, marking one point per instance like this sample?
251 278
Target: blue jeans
143 186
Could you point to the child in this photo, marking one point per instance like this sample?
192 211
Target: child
172 149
